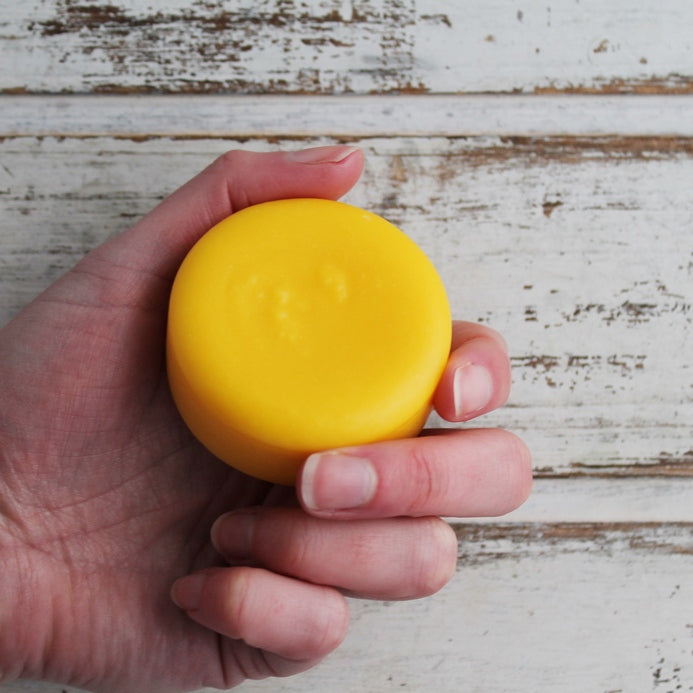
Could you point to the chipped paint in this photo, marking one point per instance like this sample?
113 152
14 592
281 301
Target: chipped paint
569 234
575 245
330 46
482 542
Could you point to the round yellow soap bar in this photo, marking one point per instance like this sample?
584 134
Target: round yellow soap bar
304 325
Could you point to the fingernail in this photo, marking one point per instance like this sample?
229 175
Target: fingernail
336 481
187 592
322 155
232 534
472 389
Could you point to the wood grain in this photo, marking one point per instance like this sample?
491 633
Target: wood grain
346 46
542 154
344 117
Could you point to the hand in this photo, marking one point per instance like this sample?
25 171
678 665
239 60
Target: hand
106 500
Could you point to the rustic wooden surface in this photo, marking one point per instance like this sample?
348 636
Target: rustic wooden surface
542 154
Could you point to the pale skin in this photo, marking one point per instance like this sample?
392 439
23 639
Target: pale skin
133 560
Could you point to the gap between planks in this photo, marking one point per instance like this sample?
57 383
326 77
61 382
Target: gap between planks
142 116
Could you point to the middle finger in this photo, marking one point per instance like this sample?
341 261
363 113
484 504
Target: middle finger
395 558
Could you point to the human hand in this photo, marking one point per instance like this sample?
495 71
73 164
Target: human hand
106 499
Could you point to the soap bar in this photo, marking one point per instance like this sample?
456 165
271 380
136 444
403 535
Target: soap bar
304 325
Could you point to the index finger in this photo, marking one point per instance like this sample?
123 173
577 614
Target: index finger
473 473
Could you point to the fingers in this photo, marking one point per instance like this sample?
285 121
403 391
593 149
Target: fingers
402 558
235 180
473 473
282 595
292 619
477 377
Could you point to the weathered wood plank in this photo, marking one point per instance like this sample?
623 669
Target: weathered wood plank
578 249
342 46
533 607
345 117
557 209
610 500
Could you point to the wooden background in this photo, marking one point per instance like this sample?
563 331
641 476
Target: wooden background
542 154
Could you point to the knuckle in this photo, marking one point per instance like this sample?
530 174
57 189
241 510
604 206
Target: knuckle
285 540
231 158
292 556
426 481
236 602
519 474
229 167
437 558
333 625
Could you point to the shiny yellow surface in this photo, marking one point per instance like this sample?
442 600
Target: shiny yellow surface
302 325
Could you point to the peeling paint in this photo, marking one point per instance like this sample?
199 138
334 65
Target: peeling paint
549 206
481 542
388 46
667 464
672 83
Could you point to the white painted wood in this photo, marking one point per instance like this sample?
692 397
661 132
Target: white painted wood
361 46
564 219
346 116
595 500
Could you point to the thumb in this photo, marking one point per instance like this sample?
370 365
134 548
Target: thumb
158 243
